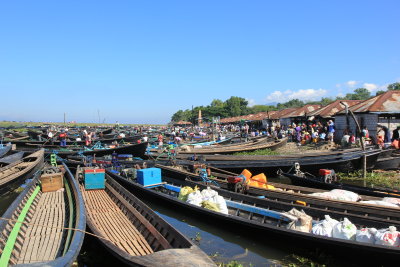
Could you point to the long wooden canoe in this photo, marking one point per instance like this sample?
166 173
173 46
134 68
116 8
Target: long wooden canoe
4 149
16 172
294 195
261 144
134 233
43 228
264 220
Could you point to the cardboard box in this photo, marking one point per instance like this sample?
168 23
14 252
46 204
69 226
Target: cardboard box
149 176
52 182
94 178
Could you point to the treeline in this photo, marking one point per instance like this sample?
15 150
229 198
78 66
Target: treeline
238 106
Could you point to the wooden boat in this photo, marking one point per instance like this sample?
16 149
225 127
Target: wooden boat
11 158
18 171
134 233
339 161
4 149
229 149
290 194
137 150
38 230
33 143
312 181
263 219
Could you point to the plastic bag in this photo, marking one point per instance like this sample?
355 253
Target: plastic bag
210 205
366 235
300 220
380 203
338 194
345 195
344 230
393 200
208 194
220 201
388 237
185 191
324 227
195 198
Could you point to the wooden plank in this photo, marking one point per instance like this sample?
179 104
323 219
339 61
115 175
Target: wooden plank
114 224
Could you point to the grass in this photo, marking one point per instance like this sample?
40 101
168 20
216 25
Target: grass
265 152
387 179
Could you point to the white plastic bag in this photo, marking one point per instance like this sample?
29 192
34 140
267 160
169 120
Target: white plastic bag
220 201
346 195
392 200
344 230
324 227
208 194
388 237
380 203
366 235
195 198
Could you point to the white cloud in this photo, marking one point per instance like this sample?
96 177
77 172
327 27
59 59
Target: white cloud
302 94
351 84
370 86
251 102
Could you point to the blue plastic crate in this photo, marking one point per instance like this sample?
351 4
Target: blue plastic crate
95 179
149 176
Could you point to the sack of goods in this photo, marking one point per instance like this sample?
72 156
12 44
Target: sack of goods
380 203
184 193
366 235
338 194
207 198
392 200
324 227
300 220
345 230
388 237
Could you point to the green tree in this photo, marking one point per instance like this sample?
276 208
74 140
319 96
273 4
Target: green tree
236 106
361 94
380 92
394 86
294 103
261 108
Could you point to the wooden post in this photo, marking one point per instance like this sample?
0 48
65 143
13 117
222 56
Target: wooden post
362 142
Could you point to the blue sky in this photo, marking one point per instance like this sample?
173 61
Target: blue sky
140 61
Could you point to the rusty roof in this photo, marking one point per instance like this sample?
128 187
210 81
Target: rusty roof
388 102
182 123
331 109
302 111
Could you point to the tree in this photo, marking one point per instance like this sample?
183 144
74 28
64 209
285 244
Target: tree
361 94
236 106
394 86
294 103
380 92
261 108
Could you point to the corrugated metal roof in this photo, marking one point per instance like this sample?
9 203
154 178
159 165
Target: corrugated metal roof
330 110
388 102
182 123
279 114
300 112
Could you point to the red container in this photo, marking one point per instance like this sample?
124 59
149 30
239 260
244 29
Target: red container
324 172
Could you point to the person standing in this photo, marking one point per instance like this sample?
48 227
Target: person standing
160 139
63 138
331 130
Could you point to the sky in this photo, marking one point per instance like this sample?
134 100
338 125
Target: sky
141 61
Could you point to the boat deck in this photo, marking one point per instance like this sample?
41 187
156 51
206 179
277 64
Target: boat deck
114 223
43 236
